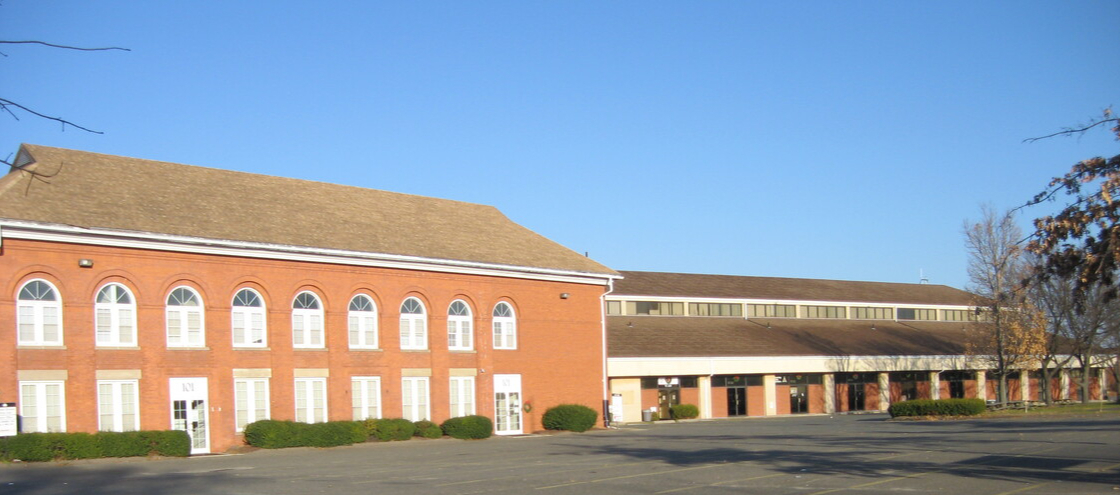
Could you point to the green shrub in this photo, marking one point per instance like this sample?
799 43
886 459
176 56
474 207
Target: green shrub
685 411
30 447
64 446
126 444
78 446
571 417
273 434
169 443
387 430
468 427
427 429
938 407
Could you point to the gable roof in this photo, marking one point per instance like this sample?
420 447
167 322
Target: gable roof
690 336
660 284
94 190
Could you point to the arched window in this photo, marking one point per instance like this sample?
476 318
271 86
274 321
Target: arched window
115 311
362 320
414 325
39 314
184 318
248 315
459 327
307 321
505 327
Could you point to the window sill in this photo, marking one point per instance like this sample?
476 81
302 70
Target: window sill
463 351
26 346
505 348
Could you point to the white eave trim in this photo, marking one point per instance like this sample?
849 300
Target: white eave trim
793 302
15 229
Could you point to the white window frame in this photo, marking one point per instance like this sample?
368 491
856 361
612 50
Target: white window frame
253 319
39 311
505 327
362 323
307 324
246 394
186 333
119 318
35 405
365 392
462 396
118 395
416 398
307 409
460 331
414 326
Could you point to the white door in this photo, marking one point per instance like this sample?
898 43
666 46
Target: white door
189 407
507 404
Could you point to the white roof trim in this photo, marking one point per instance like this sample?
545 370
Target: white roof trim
16 229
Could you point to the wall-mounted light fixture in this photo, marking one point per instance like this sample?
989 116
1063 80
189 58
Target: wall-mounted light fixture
565 295
85 263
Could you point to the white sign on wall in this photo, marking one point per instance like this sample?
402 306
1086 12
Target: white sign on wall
8 419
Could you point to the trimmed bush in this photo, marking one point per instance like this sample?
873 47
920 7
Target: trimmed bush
938 407
571 417
273 434
427 429
65 446
468 427
387 430
685 411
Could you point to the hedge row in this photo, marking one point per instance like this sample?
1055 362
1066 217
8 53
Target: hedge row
938 407
65 446
571 417
275 434
685 411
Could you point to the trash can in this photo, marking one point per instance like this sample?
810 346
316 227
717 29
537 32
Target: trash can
647 415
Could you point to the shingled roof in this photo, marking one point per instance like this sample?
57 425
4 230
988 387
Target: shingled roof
659 284
685 336
128 194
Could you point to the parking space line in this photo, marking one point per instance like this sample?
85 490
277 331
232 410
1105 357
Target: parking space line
600 480
722 483
1071 478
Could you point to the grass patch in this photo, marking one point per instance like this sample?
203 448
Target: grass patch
1059 410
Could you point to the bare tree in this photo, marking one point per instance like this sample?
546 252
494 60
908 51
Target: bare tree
1010 333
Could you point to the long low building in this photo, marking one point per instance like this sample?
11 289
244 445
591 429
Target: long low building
763 346
148 295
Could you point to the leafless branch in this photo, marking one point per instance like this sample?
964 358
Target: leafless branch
65 47
1072 131
35 174
4 103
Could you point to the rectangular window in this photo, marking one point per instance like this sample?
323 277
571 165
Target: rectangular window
824 312
655 308
614 307
462 396
772 310
917 314
365 393
715 309
250 398
873 313
118 405
307 329
248 326
38 323
42 406
311 400
414 398
958 315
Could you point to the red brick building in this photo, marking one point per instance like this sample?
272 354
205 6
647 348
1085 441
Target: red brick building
146 295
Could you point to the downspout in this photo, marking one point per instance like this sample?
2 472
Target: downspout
603 347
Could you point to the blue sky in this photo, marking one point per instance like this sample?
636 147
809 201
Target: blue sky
794 139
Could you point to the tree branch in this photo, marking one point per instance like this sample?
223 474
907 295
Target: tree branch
1070 131
4 104
65 47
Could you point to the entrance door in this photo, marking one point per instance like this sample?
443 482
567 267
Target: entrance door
189 411
798 399
736 401
666 399
507 404
855 397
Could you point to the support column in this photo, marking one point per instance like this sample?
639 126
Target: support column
1025 384
935 385
982 385
829 383
884 391
769 394
705 384
1064 384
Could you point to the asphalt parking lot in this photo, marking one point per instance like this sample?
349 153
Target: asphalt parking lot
816 455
